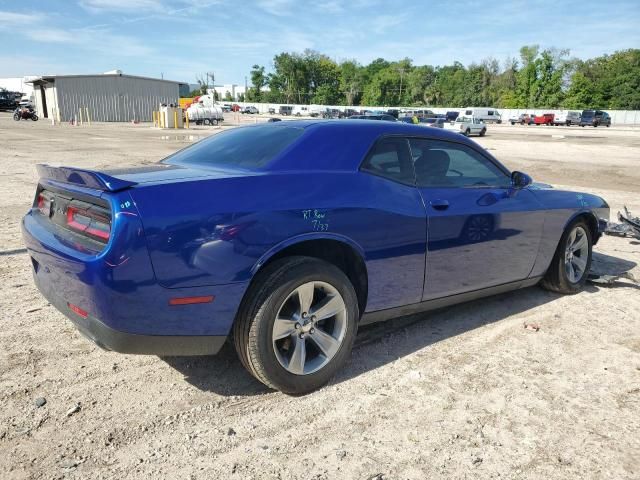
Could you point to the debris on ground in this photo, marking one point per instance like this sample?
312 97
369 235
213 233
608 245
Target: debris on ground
40 402
74 409
611 280
629 226
531 326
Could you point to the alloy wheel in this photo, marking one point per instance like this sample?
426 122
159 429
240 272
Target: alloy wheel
576 254
309 328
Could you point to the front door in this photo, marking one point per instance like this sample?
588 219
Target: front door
481 231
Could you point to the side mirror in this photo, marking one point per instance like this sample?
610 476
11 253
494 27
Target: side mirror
520 180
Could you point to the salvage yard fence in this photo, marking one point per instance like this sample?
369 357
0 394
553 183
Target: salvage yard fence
618 117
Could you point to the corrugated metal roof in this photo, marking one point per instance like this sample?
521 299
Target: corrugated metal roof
47 78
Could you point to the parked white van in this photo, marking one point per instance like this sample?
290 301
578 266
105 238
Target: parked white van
487 115
567 117
304 111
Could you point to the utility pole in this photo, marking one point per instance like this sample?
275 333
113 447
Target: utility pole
213 84
246 99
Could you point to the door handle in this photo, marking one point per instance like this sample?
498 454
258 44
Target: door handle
439 204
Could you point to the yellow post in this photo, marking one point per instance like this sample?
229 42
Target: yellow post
86 110
186 119
175 119
153 117
80 115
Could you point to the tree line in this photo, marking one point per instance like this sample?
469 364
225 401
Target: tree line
539 78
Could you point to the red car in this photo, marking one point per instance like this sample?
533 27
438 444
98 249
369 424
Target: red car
235 107
544 119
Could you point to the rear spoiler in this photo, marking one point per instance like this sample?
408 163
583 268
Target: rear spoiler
86 178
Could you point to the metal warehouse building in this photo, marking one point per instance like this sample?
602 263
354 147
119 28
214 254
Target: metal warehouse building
108 97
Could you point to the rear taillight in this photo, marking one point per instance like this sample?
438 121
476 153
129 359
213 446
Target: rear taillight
44 205
89 223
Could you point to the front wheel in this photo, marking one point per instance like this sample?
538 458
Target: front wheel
34 117
467 132
296 327
16 117
482 132
570 265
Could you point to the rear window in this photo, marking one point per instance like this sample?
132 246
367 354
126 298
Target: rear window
248 148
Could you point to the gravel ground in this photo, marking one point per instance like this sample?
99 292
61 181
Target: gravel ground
466 392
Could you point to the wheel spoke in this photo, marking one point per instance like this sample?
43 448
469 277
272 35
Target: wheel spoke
571 272
579 264
580 243
325 342
283 327
305 296
298 357
329 307
572 237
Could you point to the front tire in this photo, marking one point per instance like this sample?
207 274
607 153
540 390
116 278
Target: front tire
482 132
570 265
296 327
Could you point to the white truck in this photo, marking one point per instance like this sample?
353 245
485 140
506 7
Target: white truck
205 111
467 126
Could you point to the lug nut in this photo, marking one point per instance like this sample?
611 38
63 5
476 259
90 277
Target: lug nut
297 326
313 318
304 314
301 335
312 331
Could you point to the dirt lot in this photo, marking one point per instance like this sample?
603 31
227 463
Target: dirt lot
466 392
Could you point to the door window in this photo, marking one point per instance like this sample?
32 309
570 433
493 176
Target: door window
391 159
446 164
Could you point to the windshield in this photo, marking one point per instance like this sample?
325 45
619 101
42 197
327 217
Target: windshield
247 148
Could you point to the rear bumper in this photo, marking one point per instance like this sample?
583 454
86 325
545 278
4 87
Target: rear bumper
113 340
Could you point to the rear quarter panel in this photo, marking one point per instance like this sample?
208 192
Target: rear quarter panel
213 232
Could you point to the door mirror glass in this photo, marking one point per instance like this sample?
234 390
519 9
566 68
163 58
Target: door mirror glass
520 180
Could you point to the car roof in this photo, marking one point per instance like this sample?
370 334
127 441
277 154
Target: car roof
343 144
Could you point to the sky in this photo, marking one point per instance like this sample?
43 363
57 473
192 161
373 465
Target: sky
182 39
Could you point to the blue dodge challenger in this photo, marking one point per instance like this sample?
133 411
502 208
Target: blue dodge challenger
285 237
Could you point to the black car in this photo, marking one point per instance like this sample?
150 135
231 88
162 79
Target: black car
9 100
395 113
388 118
285 110
595 118
451 116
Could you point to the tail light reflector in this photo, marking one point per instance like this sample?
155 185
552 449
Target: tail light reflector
89 223
76 309
190 300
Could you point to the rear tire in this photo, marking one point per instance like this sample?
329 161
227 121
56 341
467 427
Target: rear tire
482 132
275 300
34 117
467 132
16 117
561 277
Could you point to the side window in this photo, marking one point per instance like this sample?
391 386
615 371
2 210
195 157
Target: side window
390 158
449 165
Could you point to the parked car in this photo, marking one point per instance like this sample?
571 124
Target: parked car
226 107
8 100
271 111
433 122
394 112
235 107
305 110
544 119
250 109
173 259
467 126
285 110
332 113
388 118
487 115
451 116
348 112
522 119
595 118
567 118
